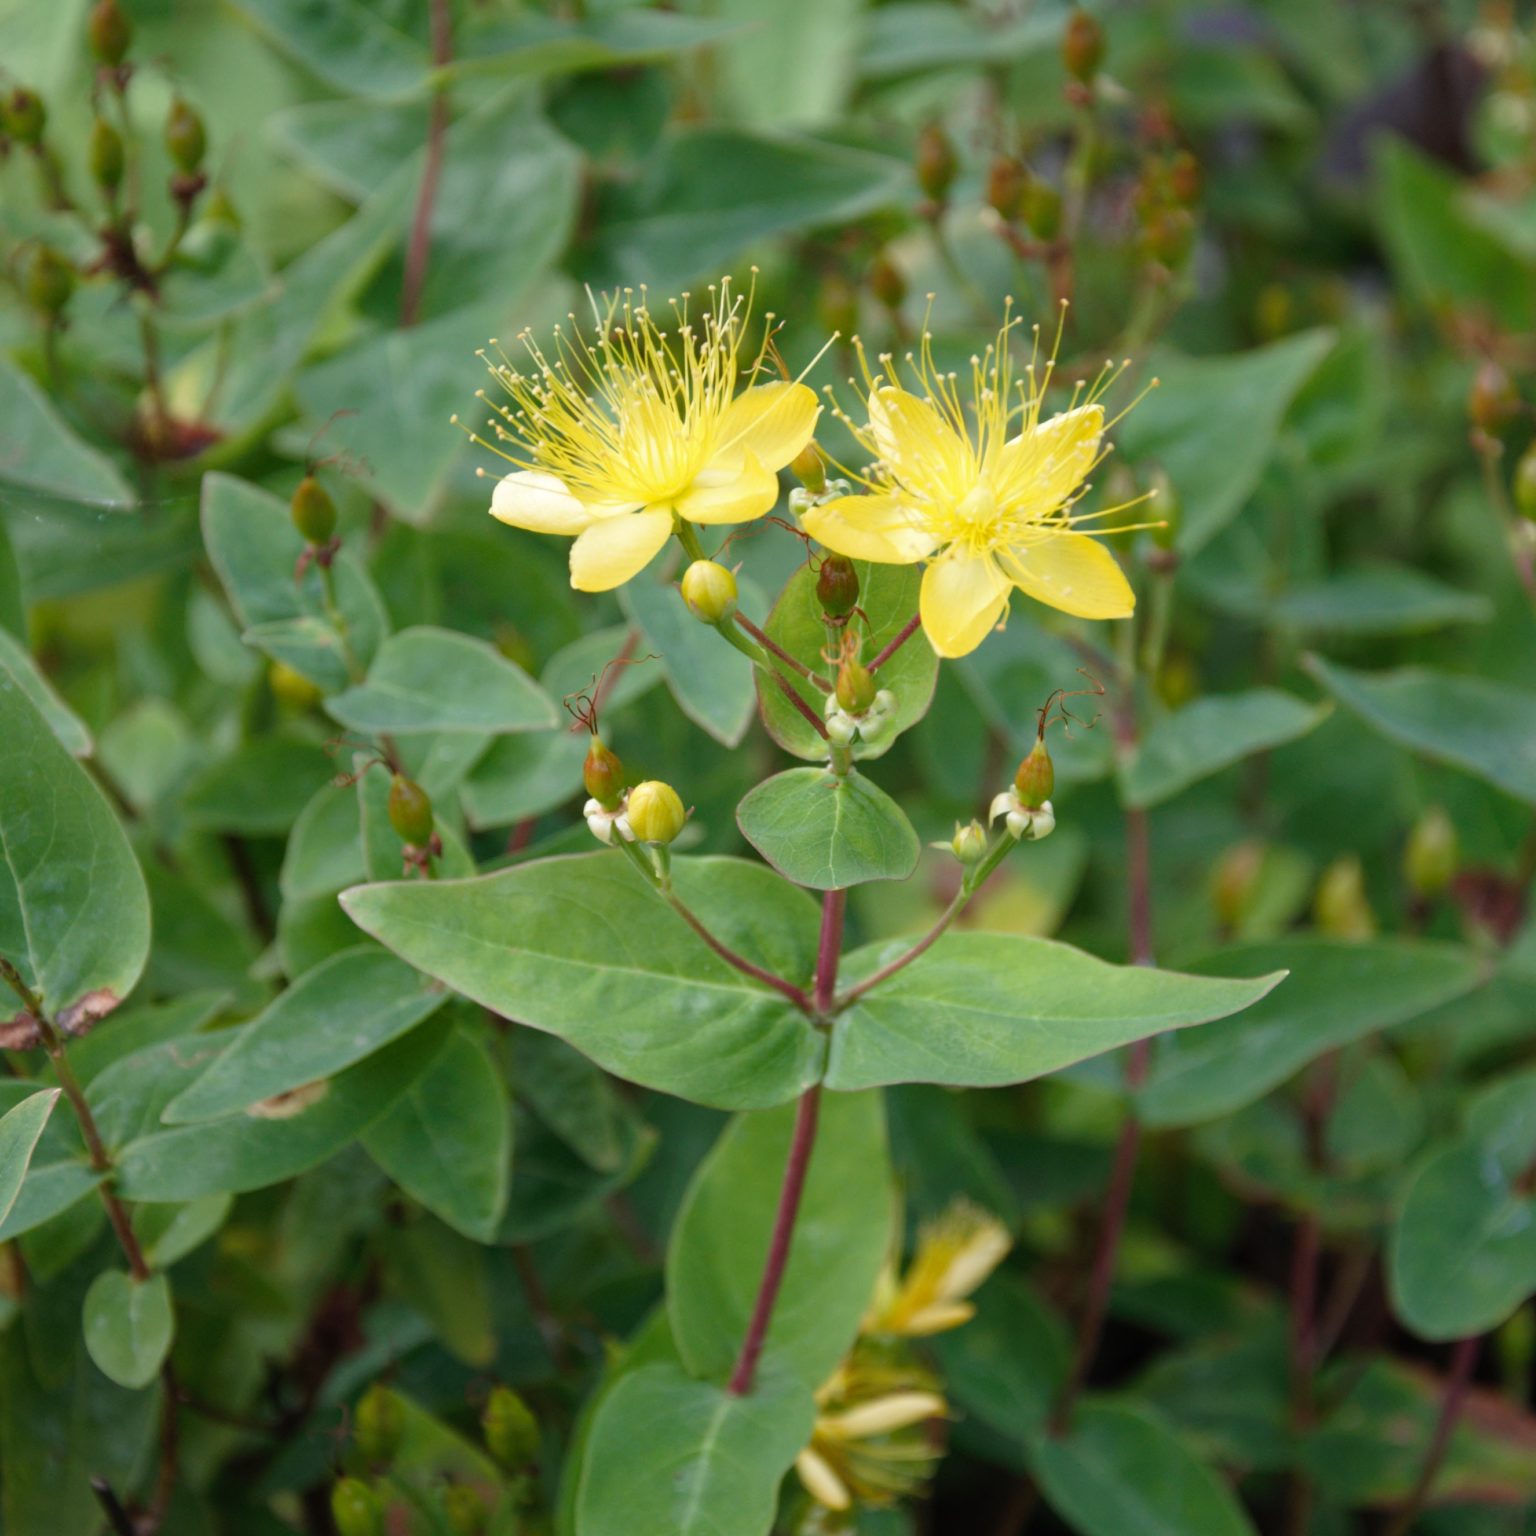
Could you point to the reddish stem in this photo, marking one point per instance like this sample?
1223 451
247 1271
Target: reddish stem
908 630
1457 1385
419 248
775 649
1138 877
830 948
795 994
792 693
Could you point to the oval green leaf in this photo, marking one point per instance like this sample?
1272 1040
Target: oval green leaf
129 1325
20 1128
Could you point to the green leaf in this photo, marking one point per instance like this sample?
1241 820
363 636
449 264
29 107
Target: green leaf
448 1140
582 947
842 1237
1121 1469
1337 992
325 848
332 1017
1376 599
171 1230
129 1325
39 452
254 547
826 831
888 594
1213 424
20 1128
922 35
536 44
13 611
792 70
1209 735
429 679
579 1103
711 680
384 848
260 789
244 1150
984 1009
345 43
1487 728
711 192
74 911
17 666
669 1456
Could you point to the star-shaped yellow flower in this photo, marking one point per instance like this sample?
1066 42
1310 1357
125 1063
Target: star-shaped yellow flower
616 438
983 489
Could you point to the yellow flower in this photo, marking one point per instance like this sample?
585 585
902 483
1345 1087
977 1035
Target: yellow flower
870 1444
617 437
954 1255
981 489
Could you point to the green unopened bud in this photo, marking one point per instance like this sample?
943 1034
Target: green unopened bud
1006 181
855 686
1525 483
355 1508
313 512
603 775
50 280
1166 510
380 1420
809 469
1036 779
1185 178
511 1431
969 844
1082 46
1234 881
465 1510
937 164
410 811
23 115
709 590
292 688
1040 205
1341 908
837 587
655 812
106 155
1433 853
887 282
1493 401
108 32
186 140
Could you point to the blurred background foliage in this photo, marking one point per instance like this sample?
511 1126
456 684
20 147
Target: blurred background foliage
1313 222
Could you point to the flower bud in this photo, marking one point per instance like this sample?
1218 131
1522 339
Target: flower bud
511 1431
465 1510
108 32
313 511
855 686
807 467
709 590
1340 907
969 844
355 1509
837 587
887 282
185 138
1166 509
1433 853
1525 484
937 164
410 811
23 115
50 280
1493 401
1185 178
1040 205
1036 779
656 814
292 688
603 775
1234 881
106 155
1006 183
1082 46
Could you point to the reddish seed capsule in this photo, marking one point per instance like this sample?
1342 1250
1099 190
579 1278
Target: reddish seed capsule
313 511
108 32
887 282
186 141
603 775
1036 778
1082 46
410 811
855 686
837 587
22 115
937 164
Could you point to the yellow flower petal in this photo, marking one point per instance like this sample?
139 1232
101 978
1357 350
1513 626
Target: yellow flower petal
771 421
921 449
1039 470
1072 572
821 1482
880 528
882 1416
613 549
539 502
938 1318
962 598
730 495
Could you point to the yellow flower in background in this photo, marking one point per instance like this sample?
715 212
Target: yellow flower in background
983 489
871 1444
954 1255
617 436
